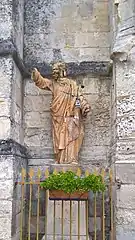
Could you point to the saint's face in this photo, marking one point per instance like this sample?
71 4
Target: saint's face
56 73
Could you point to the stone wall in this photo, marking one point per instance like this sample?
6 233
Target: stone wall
77 33
12 154
123 123
72 31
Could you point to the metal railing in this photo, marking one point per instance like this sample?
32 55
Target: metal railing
30 179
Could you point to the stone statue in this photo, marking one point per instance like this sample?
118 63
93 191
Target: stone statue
68 108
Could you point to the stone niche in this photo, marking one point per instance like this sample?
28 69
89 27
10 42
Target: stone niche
76 32
37 122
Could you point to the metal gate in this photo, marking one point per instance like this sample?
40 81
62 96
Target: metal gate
31 181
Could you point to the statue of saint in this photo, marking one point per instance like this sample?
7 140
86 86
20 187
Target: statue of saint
68 108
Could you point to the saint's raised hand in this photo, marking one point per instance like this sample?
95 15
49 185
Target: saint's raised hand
34 74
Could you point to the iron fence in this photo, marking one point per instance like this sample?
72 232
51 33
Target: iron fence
31 179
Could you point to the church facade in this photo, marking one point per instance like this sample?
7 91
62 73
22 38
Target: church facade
96 40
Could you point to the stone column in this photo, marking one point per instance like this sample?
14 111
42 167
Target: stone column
12 153
123 114
125 148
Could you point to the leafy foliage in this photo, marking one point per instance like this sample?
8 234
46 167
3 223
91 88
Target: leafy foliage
69 182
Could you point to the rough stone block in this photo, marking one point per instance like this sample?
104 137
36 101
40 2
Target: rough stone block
94 53
38 120
69 54
125 105
42 152
125 172
97 136
17 76
5 228
100 115
38 137
126 197
126 148
5 208
6 189
5 128
96 24
6 167
31 89
92 40
67 25
6 21
125 73
17 113
126 126
123 233
126 10
17 133
40 162
126 218
37 103
94 85
6 64
18 23
5 105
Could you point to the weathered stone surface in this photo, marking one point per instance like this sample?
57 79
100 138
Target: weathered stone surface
7 47
6 189
5 76
42 152
38 120
10 147
123 233
126 172
18 23
39 162
126 126
37 103
38 137
31 89
6 167
125 73
5 228
126 147
126 218
62 28
126 201
5 208
5 106
97 136
5 21
5 128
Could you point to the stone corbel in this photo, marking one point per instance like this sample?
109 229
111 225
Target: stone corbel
124 49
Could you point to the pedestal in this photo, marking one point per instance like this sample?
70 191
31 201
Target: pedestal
64 167
66 218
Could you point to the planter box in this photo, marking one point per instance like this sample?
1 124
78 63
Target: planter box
60 195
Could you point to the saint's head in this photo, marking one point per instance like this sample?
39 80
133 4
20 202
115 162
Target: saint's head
58 70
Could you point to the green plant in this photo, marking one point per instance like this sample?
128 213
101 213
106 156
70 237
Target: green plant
69 182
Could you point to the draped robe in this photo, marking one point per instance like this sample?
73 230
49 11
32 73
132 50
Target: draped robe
67 124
